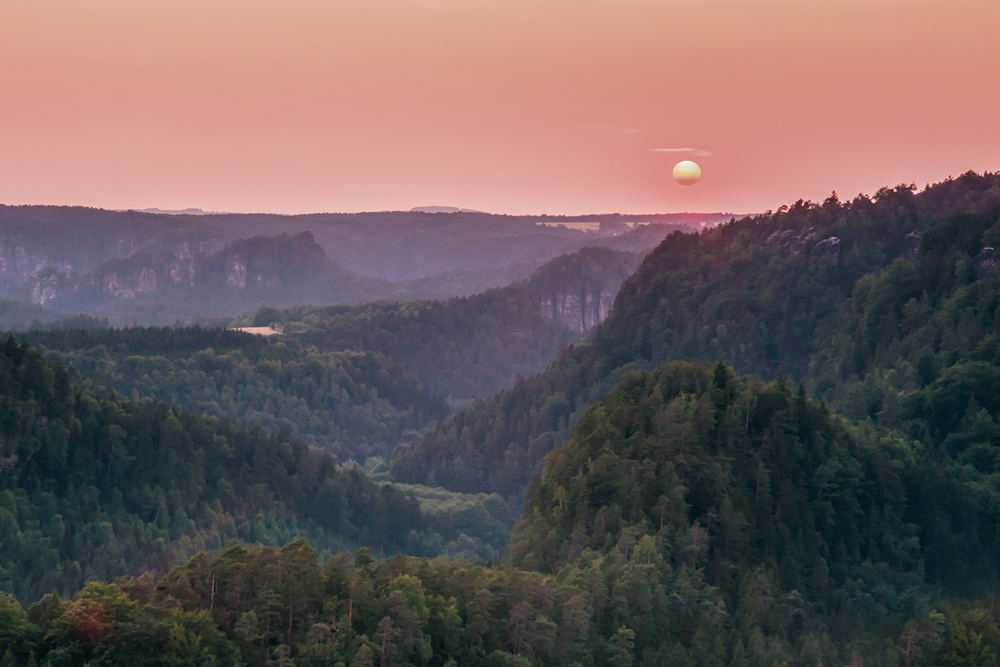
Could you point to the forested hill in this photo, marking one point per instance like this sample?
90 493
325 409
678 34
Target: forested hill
327 381
471 347
723 520
773 294
693 519
93 486
354 405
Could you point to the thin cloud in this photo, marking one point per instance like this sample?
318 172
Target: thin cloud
694 151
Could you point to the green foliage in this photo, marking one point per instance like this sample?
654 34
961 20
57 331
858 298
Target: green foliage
93 486
265 606
720 512
770 294
692 517
355 405
480 523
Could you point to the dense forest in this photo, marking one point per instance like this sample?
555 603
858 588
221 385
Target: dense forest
95 486
732 520
882 306
692 518
355 405
779 446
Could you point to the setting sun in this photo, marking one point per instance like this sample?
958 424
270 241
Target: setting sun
687 172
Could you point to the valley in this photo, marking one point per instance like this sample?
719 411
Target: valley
769 441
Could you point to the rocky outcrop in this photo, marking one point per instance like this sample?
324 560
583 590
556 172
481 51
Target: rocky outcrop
818 247
784 238
131 274
987 263
911 245
19 262
579 312
211 246
130 286
45 290
830 248
281 270
236 272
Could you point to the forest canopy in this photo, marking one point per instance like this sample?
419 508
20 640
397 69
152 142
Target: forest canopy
354 405
867 302
692 518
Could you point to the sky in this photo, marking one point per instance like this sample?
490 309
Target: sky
507 106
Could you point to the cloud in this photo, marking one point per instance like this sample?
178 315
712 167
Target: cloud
694 151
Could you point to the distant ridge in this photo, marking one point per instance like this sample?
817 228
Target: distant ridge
178 211
442 209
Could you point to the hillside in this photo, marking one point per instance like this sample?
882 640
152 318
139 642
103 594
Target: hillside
474 346
693 518
95 486
76 260
327 382
239 277
771 294
676 512
231 280
354 405
737 518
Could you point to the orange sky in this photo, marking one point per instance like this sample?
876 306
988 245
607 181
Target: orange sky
516 106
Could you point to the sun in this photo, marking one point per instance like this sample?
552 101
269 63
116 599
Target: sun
687 172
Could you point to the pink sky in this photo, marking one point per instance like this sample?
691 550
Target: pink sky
510 106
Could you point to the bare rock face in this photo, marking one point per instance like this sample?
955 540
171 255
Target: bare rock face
26 266
828 248
796 243
181 270
236 272
45 290
987 263
579 312
911 245
127 246
783 238
275 269
128 287
211 246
